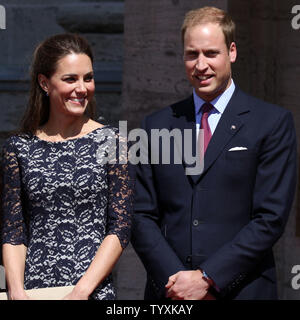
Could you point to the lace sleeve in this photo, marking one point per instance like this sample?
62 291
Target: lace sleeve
13 227
120 203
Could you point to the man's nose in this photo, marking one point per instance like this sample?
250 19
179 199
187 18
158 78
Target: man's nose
201 63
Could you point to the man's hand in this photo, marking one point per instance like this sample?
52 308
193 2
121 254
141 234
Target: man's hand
188 285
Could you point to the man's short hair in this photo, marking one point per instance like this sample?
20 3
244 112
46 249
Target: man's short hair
210 15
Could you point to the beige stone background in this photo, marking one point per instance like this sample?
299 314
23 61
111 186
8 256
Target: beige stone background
139 69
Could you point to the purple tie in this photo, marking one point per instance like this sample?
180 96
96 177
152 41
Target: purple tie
206 108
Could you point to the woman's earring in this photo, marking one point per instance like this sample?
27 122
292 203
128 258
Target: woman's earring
47 94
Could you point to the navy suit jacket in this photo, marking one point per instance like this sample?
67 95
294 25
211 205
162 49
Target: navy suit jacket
226 219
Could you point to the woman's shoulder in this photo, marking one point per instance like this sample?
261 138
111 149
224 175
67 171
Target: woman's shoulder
107 131
96 127
16 139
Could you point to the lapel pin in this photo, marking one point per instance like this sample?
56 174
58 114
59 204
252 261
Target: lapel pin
233 127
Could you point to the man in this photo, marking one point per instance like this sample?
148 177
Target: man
210 235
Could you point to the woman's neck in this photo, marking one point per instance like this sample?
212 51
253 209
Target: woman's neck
64 128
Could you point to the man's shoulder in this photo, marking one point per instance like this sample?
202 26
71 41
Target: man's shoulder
162 117
259 105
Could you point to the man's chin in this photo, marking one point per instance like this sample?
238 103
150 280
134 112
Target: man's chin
205 93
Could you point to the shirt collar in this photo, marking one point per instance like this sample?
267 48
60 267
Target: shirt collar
219 102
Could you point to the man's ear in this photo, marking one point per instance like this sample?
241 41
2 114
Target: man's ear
232 52
43 82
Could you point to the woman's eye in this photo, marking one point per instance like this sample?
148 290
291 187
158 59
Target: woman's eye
89 78
70 79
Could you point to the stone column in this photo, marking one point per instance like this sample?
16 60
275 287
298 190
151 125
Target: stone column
30 21
153 73
286 72
153 77
268 67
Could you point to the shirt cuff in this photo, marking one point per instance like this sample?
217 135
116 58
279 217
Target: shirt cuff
209 280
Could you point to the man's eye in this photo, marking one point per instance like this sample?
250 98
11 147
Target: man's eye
211 54
190 55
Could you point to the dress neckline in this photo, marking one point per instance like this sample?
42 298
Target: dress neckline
72 139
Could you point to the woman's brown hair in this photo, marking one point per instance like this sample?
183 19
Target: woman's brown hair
45 59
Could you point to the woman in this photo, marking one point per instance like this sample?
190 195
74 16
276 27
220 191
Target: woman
66 216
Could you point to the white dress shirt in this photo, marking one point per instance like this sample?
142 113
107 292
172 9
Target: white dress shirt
215 114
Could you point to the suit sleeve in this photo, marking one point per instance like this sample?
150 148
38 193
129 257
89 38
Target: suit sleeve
272 200
158 257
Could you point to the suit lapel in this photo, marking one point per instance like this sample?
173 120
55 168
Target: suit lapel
229 125
184 119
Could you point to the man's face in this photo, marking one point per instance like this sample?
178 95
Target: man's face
207 60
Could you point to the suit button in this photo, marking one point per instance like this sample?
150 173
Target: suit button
195 223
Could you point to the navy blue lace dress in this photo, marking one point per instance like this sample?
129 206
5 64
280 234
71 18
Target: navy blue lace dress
60 199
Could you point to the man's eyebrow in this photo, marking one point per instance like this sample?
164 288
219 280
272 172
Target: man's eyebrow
190 50
212 50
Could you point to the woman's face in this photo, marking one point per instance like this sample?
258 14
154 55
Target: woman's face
72 85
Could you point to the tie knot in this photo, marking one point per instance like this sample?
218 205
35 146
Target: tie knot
206 107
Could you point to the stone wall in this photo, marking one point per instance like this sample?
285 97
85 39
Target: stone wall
151 75
30 21
153 72
267 67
